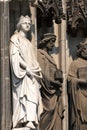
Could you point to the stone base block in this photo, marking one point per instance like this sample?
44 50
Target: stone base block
23 128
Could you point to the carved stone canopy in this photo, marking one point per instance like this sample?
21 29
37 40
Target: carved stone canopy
77 16
48 10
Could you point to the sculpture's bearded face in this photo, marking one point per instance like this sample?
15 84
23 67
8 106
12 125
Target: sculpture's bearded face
50 44
84 52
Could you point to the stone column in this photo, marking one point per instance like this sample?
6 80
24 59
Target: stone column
5 92
33 10
56 54
63 43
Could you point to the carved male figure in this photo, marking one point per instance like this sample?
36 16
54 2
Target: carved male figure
51 118
25 72
77 88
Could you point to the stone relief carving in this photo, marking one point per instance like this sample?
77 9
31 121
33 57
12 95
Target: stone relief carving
25 73
51 118
77 89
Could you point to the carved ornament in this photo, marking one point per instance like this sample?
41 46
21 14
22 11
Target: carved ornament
76 16
49 9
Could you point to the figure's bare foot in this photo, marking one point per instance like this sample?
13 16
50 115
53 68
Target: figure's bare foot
30 125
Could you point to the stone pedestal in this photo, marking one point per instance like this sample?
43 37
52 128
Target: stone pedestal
23 128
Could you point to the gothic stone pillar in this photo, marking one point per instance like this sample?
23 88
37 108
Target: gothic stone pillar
5 93
33 11
63 62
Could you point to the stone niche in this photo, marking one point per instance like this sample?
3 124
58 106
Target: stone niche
17 8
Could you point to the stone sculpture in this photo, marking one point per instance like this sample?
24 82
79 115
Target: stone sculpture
77 89
25 73
51 118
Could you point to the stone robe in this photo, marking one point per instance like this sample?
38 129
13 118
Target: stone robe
27 105
51 118
77 95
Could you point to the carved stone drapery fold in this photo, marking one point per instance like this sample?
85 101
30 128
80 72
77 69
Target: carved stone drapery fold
77 16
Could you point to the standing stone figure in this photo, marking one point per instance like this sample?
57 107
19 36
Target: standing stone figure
25 72
51 118
77 89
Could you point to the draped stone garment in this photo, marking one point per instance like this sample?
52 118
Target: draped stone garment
51 118
27 104
77 96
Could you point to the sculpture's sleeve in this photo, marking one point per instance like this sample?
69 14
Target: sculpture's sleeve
16 60
41 60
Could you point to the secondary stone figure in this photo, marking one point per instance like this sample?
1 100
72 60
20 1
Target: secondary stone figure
77 89
25 72
51 118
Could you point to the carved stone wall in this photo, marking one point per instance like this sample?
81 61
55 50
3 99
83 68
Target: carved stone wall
47 17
